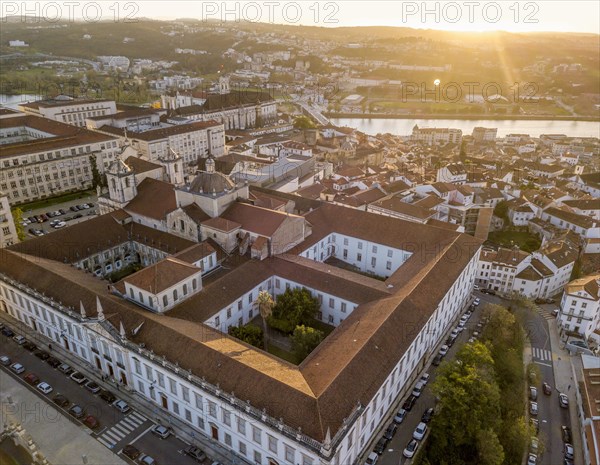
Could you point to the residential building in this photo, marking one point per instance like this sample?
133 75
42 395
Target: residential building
436 136
454 173
580 307
484 134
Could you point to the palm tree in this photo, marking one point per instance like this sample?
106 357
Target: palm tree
265 307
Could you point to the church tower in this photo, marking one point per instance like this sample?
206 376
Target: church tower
173 165
224 85
121 182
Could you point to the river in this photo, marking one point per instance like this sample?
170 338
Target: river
13 101
532 127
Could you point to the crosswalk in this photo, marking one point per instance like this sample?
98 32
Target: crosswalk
542 354
117 432
546 314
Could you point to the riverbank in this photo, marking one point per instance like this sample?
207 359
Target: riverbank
593 119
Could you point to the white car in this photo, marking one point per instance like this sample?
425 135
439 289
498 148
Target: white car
400 416
531 459
44 387
410 449
476 287
19 340
425 378
121 405
60 224
443 350
455 332
161 431
17 368
477 301
147 460
420 431
372 459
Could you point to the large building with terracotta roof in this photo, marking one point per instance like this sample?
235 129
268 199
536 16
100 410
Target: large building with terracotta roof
391 289
41 158
580 307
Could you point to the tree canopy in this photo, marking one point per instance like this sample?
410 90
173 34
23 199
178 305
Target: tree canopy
294 307
304 340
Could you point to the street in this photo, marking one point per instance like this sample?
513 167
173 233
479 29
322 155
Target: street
115 429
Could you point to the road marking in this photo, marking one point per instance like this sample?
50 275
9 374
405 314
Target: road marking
542 354
145 431
545 364
106 444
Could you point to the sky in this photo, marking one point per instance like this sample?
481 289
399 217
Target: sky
468 15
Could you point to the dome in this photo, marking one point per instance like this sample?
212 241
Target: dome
211 183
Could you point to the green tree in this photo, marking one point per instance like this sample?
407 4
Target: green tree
303 122
501 210
97 178
17 215
250 334
490 451
265 307
304 340
293 308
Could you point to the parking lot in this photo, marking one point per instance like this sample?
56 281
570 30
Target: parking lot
47 219
94 407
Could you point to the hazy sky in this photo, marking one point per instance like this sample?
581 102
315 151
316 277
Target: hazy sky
475 15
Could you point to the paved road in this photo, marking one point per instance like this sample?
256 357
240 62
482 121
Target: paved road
393 454
551 417
116 429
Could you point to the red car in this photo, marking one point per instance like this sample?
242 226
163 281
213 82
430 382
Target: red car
31 378
91 421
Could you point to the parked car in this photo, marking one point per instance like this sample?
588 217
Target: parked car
425 378
17 368
532 393
437 360
19 340
5 360
62 211
566 434
44 387
77 411
66 369
60 400
30 346
92 387
488 291
419 432
31 378
563 400
409 402
59 225
132 452
107 396
533 408
418 389
399 418
7 332
569 452
411 448
443 350
534 445
380 446
121 405
73 208
79 378
372 459
390 431
477 301
195 452
147 460
91 421
455 332
41 355
427 415
161 431
532 459
53 362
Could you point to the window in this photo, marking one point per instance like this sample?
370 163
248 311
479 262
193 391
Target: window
188 415
272 444
374 249
138 366
373 262
257 457
331 302
194 284
390 253
212 409
198 399
185 393
175 408
343 307
201 423
148 372
175 295
165 301
388 265
217 321
161 379
241 425
185 290
227 417
360 246
290 453
358 257
345 241
173 386
242 448
256 434
228 439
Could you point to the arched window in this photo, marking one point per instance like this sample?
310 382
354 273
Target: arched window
185 289
175 296
114 184
141 296
131 293
165 300
194 285
126 182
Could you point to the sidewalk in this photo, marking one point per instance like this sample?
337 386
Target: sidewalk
564 381
56 437
153 412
